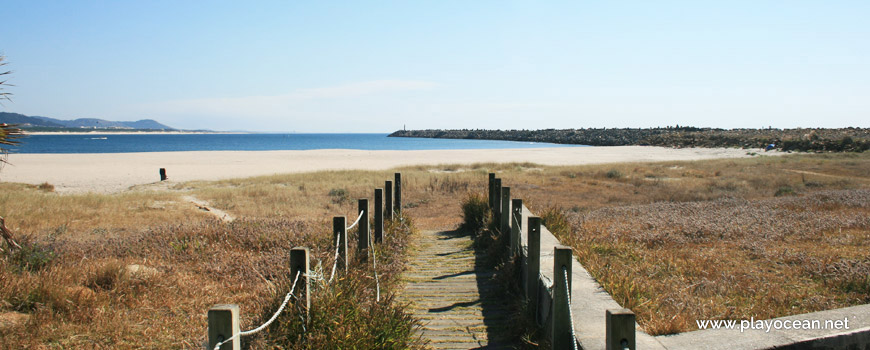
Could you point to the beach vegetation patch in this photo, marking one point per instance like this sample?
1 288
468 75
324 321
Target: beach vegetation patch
339 195
784 191
32 256
475 213
614 174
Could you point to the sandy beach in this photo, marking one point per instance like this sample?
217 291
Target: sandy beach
116 172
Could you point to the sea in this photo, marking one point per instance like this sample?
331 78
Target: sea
125 143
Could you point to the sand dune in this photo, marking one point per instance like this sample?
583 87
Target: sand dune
115 172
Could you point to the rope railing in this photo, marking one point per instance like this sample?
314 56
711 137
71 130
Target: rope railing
357 220
224 318
570 313
335 264
264 325
375 269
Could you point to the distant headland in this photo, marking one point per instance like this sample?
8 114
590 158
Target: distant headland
805 140
38 124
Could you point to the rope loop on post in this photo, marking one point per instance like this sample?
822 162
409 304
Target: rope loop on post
264 325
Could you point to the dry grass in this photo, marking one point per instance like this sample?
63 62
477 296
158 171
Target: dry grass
346 313
71 285
756 238
679 241
81 298
70 277
32 210
674 263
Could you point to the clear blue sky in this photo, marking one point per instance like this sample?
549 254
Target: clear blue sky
373 66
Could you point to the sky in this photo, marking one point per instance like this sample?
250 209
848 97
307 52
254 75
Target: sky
379 66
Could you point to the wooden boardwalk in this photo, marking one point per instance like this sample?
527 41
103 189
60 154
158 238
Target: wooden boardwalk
453 295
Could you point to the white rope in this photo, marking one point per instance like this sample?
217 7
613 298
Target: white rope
548 283
334 265
357 220
316 274
375 269
570 314
275 316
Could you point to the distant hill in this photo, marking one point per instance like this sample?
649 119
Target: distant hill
23 120
83 123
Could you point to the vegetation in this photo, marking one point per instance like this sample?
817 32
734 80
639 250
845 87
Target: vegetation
477 219
8 133
80 124
723 239
761 237
346 314
777 255
140 268
476 215
674 263
805 140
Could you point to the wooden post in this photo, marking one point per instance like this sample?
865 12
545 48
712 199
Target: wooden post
299 263
505 224
491 190
223 323
534 264
388 200
620 329
562 336
496 208
398 194
339 230
516 226
163 174
363 228
379 215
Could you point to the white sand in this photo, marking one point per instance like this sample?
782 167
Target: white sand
115 172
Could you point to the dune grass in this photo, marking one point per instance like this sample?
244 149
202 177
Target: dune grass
71 283
677 242
758 238
78 282
38 211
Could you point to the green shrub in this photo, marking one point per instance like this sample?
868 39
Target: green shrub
614 174
784 191
475 213
339 195
33 256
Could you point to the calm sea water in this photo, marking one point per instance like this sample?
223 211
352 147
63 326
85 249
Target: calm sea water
96 143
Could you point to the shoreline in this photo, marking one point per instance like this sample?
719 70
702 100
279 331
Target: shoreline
118 172
27 133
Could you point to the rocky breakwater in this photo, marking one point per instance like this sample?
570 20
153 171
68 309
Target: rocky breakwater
806 140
